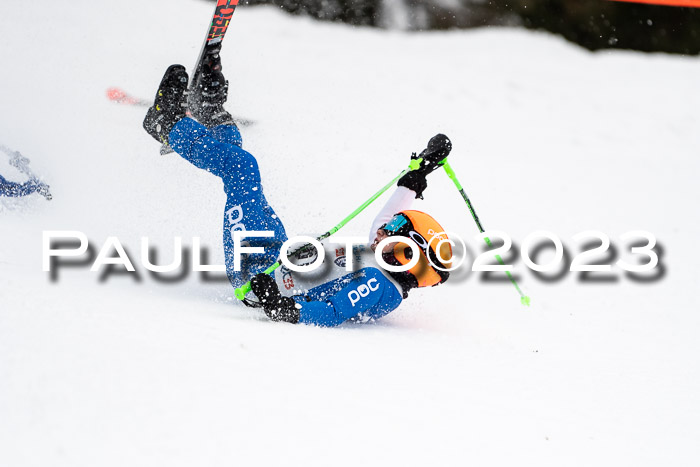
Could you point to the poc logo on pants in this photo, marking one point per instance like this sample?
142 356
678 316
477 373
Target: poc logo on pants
362 291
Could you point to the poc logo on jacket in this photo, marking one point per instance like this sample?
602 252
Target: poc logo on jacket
362 291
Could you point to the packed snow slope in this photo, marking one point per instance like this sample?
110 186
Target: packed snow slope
122 370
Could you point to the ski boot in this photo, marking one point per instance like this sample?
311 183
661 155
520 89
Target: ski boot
170 104
209 93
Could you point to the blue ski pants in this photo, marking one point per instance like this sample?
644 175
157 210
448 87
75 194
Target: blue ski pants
219 152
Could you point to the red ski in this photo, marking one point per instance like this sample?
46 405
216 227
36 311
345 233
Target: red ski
119 96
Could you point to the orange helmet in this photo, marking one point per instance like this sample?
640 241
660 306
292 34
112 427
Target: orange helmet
427 234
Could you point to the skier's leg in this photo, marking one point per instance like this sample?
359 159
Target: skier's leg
246 206
203 148
247 211
219 152
228 134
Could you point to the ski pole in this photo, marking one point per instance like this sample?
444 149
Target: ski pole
241 291
524 299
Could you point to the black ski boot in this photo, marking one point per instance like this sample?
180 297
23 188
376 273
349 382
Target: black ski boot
170 104
277 307
206 101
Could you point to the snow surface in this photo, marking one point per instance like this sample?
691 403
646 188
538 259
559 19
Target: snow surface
546 136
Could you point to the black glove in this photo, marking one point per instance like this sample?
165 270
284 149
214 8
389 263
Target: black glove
438 149
277 307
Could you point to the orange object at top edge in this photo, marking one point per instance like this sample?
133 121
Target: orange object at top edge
686 3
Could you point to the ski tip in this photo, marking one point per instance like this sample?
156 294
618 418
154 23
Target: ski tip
119 96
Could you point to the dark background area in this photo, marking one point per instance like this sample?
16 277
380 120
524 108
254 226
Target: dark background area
593 24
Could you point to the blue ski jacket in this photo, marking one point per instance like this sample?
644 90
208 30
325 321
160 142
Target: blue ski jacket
361 296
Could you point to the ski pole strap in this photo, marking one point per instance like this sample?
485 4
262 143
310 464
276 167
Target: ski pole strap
524 299
243 290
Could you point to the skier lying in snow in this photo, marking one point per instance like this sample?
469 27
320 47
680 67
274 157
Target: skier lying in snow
214 143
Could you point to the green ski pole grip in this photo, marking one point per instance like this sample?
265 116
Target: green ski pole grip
451 174
241 291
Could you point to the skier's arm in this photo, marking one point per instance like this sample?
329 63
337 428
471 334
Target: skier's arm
400 200
412 185
368 295
8 188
